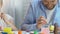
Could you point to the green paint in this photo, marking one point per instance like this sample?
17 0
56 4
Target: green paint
35 32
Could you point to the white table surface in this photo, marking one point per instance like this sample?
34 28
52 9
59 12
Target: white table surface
23 32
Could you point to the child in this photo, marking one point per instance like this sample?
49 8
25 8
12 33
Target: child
5 19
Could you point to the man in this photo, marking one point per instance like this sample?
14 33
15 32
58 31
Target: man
5 19
40 13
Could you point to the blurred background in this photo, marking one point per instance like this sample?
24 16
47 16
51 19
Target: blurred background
17 9
21 7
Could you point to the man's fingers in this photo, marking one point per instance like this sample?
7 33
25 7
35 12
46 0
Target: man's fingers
41 22
41 19
41 16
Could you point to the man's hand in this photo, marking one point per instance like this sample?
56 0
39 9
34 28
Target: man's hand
41 21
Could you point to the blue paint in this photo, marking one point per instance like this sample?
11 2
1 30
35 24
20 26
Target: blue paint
4 33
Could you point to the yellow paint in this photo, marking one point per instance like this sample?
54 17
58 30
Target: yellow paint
11 32
7 29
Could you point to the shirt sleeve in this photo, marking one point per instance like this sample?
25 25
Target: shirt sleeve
57 20
30 20
10 18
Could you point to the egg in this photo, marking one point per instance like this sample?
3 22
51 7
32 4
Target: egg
51 28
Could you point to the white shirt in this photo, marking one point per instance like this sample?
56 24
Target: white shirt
49 14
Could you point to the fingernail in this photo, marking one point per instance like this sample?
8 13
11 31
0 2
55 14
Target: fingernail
41 21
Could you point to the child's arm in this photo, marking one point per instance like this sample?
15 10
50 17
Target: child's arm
9 22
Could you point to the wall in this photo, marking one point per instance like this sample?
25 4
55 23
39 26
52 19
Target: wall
18 12
21 9
17 9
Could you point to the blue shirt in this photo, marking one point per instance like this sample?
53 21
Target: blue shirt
36 10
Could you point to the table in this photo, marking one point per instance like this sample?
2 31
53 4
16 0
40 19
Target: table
23 32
